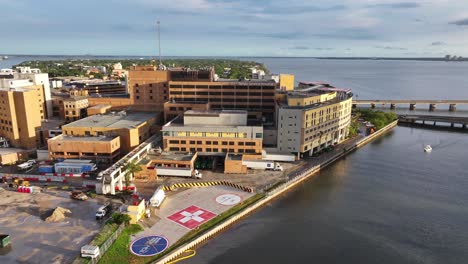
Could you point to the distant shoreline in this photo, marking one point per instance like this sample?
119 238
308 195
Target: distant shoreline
234 57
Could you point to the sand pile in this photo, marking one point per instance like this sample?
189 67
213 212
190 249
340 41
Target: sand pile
58 215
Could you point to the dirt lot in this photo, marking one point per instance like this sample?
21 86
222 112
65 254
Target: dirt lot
35 241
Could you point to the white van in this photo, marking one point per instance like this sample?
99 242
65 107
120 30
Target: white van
89 251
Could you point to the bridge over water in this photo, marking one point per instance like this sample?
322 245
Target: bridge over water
432 120
412 103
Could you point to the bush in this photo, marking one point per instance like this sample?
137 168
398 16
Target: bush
119 218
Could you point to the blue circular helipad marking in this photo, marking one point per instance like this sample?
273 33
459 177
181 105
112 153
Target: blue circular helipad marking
149 246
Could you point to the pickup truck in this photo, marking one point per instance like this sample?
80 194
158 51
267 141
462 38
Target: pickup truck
79 195
103 211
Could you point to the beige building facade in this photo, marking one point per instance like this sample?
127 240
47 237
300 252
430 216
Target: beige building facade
212 132
100 149
314 120
22 110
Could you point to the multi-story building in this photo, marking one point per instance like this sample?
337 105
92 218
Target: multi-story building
174 109
148 88
21 112
313 119
100 149
133 127
255 97
75 107
96 87
212 132
35 77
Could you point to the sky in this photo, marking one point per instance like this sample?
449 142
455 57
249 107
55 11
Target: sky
392 28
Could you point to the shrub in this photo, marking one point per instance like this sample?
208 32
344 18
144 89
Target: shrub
119 218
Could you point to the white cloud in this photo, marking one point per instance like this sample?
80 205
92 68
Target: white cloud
358 19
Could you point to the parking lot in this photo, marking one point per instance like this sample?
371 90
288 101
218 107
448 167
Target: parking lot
35 241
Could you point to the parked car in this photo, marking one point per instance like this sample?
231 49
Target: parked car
103 211
79 195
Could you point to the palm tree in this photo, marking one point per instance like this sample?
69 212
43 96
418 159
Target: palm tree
130 168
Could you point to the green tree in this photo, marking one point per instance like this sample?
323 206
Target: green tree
119 218
130 168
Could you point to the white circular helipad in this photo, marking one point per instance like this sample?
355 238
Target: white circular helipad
228 199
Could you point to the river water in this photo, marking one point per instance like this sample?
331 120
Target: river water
388 202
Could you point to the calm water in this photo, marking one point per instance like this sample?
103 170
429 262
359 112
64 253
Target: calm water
389 202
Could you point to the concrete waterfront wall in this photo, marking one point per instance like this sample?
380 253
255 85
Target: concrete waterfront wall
270 195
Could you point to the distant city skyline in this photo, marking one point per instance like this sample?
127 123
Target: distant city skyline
345 28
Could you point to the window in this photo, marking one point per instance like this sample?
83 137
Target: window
137 97
192 141
173 141
136 84
208 142
231 143
174 149
199 142
240 143
199 149
224 143
231 150
150 85
223 150
183 142
137 91
208 150
250 143
151 97
215 142
215 150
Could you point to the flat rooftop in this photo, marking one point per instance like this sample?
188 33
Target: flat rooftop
75 98
81 139
187 102
4 151
53 123
234 156
100 106
213 112
117 120
173 156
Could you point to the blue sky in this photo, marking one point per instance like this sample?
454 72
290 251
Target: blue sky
236 28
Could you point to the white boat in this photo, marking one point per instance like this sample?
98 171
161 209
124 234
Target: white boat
427 148
5 57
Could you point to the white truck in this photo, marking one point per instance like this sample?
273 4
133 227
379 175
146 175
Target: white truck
179 172
157 198
262 165
89 251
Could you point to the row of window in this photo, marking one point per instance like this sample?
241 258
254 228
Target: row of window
224 143
224 150
150 85
218 87
150 91
150 97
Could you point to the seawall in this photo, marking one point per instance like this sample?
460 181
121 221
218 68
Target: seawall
269 196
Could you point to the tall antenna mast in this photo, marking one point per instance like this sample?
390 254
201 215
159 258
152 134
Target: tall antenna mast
159 42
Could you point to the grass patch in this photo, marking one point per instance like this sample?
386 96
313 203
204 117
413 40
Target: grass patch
107 230
201 230
119 251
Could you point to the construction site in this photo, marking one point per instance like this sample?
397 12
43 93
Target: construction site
45 226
